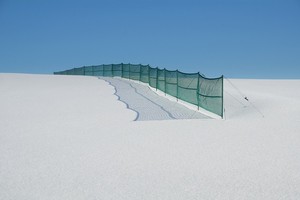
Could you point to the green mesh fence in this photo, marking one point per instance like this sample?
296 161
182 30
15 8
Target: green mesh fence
193 88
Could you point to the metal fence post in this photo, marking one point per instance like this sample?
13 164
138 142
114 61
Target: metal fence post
156 78
129 72
198 91
122 70
223 109
140 66
148 74
177 85
165 81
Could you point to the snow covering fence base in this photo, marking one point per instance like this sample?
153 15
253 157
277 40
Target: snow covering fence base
193 88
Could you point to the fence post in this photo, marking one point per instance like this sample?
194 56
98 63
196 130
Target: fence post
165 81
198 92
122 70
140 66
129 72
148 74
223 109
177 85
156 78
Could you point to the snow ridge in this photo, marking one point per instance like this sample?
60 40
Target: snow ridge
119 99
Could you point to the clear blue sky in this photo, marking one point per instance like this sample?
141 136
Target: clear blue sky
237 38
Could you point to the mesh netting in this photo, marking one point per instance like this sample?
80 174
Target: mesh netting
125 72
161 80
117 70
144 74
192 88
171 83
153 77
187 87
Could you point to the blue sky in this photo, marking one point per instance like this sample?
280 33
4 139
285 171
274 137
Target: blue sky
237 38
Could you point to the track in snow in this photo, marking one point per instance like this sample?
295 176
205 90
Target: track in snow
147 104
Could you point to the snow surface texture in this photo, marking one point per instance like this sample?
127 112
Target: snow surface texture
68 137
147 104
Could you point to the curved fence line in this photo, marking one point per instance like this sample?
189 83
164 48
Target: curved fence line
193 88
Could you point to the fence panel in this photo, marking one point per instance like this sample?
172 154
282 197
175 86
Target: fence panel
161 80
144 73
125 71
89 71
98 70
107 70
134 73
187 87
171 82
153 77
117 70
211 94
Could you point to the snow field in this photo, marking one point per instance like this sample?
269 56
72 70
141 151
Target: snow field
68 137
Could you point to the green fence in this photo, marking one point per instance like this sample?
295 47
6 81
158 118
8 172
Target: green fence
193 88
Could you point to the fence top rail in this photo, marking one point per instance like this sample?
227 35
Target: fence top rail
103 65
204 77
171 70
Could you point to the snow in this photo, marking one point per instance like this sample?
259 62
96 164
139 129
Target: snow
149 105
69 137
